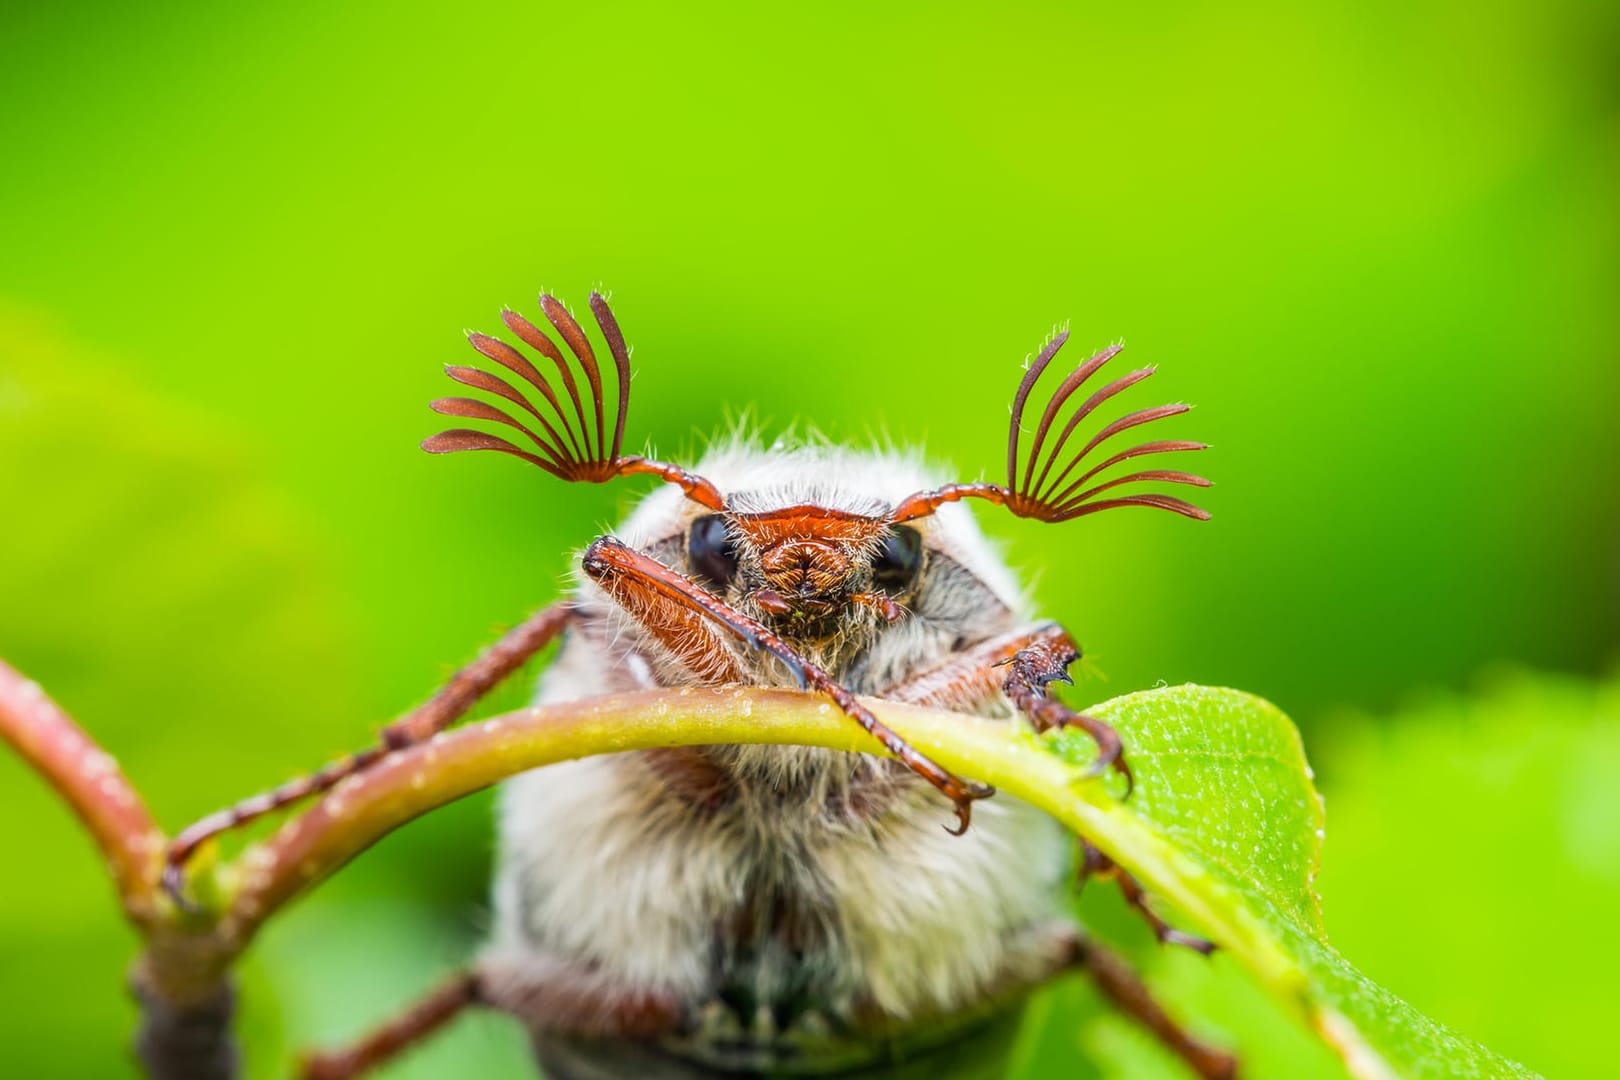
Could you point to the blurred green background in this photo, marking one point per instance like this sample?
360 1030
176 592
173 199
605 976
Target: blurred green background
1377 244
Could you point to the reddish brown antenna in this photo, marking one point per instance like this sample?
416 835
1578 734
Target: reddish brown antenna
1041 494
573 447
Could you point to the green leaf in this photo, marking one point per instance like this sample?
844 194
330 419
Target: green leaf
1225 821
1225 826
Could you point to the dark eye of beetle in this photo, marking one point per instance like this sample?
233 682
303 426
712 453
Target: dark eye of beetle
710 552
895 568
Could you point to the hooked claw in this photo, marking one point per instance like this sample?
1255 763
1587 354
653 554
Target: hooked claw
1111 758
1110 749
972 791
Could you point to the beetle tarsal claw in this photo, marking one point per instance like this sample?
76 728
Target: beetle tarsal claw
1110 748
1102 765
968 792
964 817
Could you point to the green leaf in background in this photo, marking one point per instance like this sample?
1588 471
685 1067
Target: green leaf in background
1222 777
1473 859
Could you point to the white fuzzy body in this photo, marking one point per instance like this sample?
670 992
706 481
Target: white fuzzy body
850 893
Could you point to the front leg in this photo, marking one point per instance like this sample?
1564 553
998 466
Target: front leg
640 583
969 679
1042 662
1019 665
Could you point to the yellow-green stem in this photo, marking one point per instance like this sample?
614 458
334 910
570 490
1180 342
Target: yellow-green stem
408 784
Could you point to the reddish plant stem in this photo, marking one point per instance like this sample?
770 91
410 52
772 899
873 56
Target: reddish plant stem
180 979
90 782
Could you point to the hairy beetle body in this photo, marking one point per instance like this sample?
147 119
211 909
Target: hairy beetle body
785 907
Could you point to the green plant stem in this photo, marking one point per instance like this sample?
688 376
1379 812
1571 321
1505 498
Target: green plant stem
412 782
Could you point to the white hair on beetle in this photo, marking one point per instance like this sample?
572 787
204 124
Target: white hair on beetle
602 865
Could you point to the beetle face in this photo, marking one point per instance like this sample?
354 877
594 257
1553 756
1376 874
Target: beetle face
807 559
809 570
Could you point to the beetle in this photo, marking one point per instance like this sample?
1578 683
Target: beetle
764 910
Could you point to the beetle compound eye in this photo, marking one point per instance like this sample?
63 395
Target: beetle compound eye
896 566
710 552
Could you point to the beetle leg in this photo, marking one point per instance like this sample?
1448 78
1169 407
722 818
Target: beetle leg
1093 863
1037 656
444 708
1050 951
1125 990
1045 661
545 994
1020 665
972 677
636 581
415 1024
